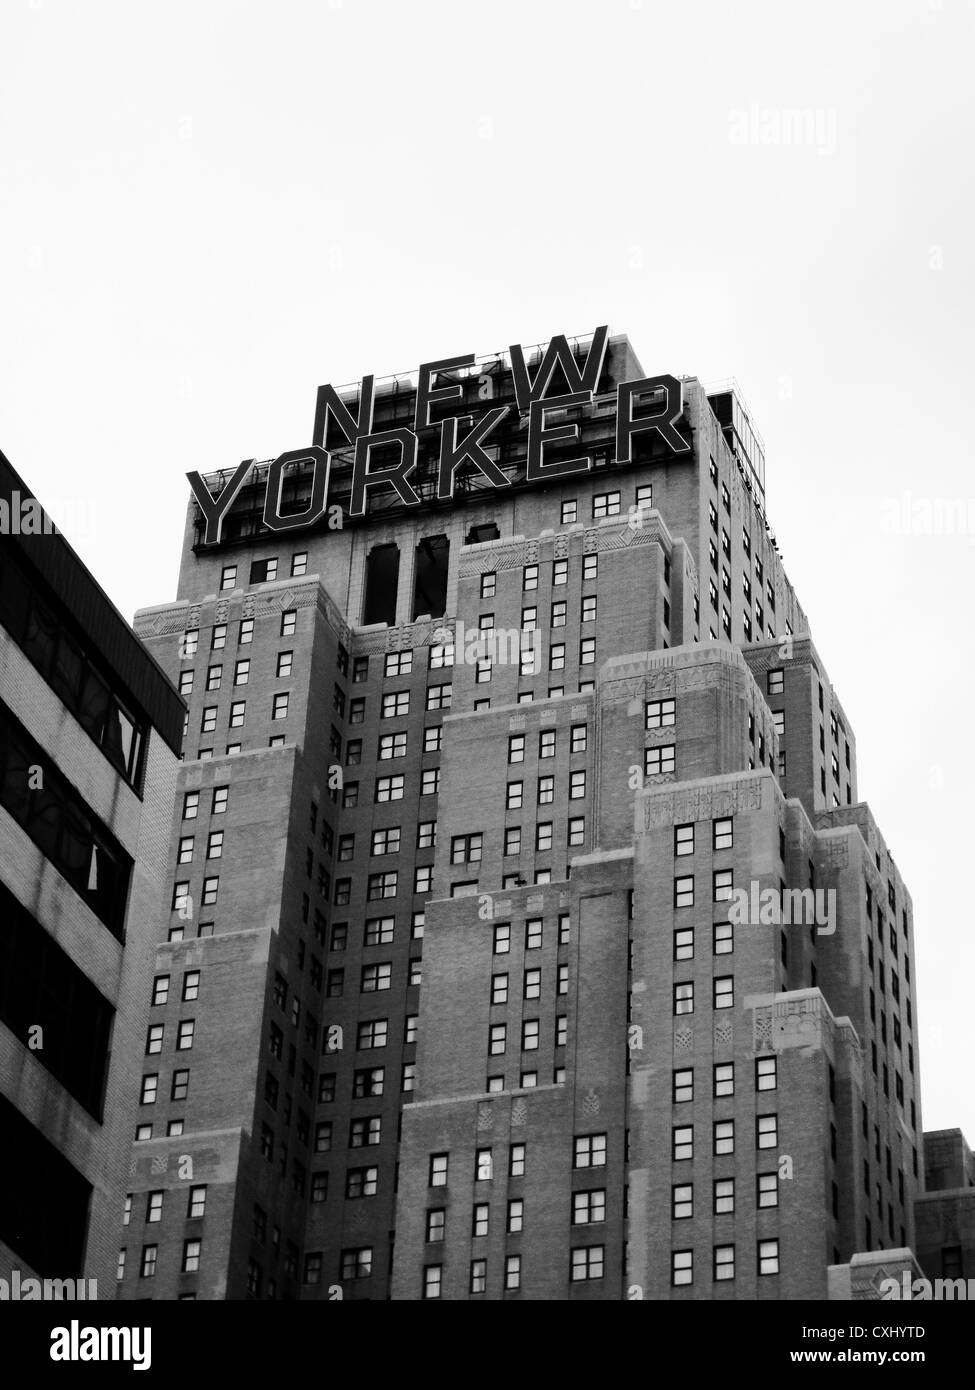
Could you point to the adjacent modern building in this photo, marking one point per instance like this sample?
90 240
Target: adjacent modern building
525 934
89 737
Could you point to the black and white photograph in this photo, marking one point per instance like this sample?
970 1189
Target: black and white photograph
486 524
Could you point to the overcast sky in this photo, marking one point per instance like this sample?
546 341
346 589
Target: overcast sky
210 208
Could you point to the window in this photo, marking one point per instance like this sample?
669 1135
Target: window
724 1262
589 608
577 785
533 934
587 1263
483 1166
196 1207
768 1257
723 834
371 1033
681 1267
184 1037
724 1136
186 681
382 885
546 790
723 885
499 989
441 655
766 1131
390 788
684 944
684 891
765 1073
184 853
605 504
289 621
683 840
385 841
365 1132
237 712
529 1034
590 567
160 989
488 585
589 1208
682 1142
430 781
392 746
684 998
497 1040
512 840
587 651
724 992
660 713
376 977
576 830
215 844
659 760
556 656
683 1085
149 1256
436 1224
724 1196
502 938
529 577
150 1087
512 1272
724 1079
589 1151
279 706
767 1189
465 849
180 1084
681 1201
356 1264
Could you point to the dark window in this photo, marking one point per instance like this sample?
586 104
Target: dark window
40 985
52 813
382 577
70 672
43 1200
430 577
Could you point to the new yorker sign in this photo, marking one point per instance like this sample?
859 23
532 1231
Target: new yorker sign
643 406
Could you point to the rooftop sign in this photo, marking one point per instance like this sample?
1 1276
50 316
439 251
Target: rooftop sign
659 400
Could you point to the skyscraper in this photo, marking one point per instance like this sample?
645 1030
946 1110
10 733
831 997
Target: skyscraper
89 736
526 934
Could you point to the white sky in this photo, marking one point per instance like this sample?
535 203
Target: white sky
210 208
